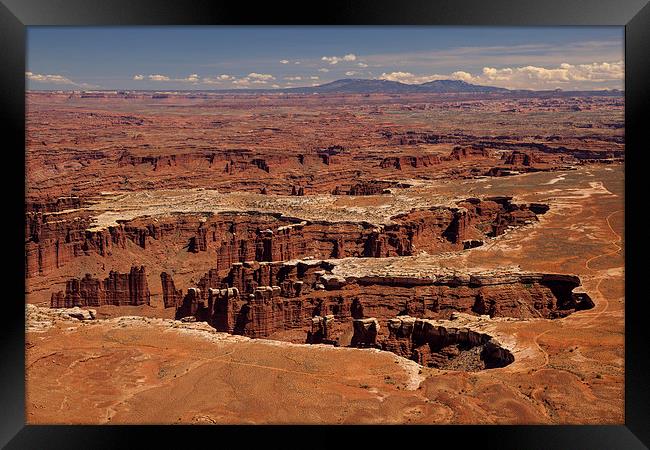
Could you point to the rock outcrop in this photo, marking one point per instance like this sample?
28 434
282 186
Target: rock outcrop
53 240
297 191
372 187
51 205
472 151
258 299
320 330
444 344
258 314
403 162
119 289
519 158
40 319
365 332
171 296
494 215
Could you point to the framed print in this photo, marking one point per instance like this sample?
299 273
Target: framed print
267 221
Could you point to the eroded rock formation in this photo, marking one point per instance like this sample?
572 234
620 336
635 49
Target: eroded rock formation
365 332
258 299
320 330
119 289
256 315
472 151
171 296
519 158
444 344
55 239
402 162
53 204
373 187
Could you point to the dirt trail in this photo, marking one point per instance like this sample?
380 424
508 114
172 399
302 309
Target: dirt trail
596 314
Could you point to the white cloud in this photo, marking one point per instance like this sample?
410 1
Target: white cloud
360 64
57 79
138 77
275 86
463 76
350 73
314 78
193 78
293 78
409 78
296 62
251 78
323 69
218 79
565 76
261 76
45 78
596 72
284 61
159 77
338 59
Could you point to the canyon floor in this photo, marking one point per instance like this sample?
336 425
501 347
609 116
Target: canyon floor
136 364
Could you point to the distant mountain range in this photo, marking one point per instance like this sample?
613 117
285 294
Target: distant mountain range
365 86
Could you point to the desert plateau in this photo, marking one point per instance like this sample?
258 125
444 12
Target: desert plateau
338 258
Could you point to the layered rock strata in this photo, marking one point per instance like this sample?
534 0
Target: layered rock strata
373 187
53 240
171 295
119 289
255 315
365 332
402 162
444 344
258 299
320 330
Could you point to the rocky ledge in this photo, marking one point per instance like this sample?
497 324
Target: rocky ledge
259 299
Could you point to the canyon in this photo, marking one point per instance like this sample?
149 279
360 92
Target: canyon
56 238
395 258
261 300
283 294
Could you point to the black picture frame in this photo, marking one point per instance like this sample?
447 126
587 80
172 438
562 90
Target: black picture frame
16 15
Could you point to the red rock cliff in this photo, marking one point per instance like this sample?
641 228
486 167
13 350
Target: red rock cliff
269 297
119 289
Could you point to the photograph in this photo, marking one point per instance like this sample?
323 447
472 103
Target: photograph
325 225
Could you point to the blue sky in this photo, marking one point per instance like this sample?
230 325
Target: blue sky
174 58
